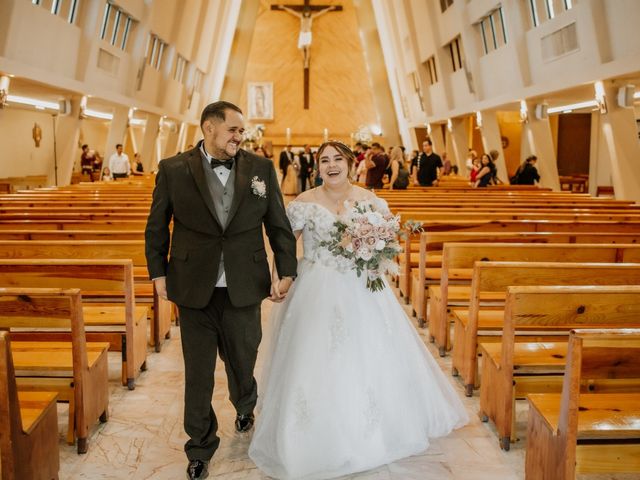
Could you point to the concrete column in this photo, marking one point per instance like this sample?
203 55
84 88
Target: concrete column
171 144
459 141
437 139
148 151
117 131
67 150
537 140
492 140
619 141
182 137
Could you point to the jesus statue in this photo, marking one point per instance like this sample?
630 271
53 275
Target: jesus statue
306 21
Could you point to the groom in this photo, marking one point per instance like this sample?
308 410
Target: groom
219 198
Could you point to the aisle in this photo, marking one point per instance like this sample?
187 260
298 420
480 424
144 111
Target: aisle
144 437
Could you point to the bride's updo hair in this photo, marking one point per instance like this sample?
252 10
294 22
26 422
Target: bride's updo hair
344 150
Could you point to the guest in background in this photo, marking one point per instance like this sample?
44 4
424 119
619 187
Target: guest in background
291 182
429 165
286 158
138 168
472 156
487 173
119 164
86 162
106 175
399 178
527 173
446 164
376 164
306 167
413 167
475 168
260 151
494 159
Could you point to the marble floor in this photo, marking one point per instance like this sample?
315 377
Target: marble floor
143 438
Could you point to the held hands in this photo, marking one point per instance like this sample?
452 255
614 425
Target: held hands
280 288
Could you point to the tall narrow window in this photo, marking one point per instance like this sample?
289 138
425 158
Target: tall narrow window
73 11
455 53
105 20
550 10
430 66
535 19
483 34
492 31
55 6
125 36
116 26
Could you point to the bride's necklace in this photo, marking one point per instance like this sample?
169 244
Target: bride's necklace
337 201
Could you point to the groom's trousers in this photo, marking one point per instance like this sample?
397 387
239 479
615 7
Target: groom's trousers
234 333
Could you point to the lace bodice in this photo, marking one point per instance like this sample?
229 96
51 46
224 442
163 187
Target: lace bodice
316 223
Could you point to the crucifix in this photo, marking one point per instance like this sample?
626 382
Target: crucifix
306 13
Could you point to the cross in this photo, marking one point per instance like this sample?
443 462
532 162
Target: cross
306 13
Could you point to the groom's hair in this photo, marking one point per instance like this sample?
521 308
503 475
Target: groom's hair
217 110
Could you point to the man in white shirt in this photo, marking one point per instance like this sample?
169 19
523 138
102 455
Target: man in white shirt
119 164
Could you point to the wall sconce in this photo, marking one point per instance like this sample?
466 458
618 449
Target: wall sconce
449 125
325 135
428 125
601 101
83 108
287 135
478 119
4 90
524 112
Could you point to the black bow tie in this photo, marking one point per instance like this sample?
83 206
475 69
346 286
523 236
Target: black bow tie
219 163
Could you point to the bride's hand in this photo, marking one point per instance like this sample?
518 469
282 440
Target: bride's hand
274 294
283 287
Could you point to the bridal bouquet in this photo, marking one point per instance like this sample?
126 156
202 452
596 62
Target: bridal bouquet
369 239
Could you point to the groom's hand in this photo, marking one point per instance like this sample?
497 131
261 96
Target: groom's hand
161 287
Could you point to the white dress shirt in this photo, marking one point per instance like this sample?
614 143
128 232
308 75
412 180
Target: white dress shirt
119 164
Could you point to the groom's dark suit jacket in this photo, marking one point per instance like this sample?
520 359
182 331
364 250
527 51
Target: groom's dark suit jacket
198 238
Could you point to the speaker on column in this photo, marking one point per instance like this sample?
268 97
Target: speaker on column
625 96
64 107
541 111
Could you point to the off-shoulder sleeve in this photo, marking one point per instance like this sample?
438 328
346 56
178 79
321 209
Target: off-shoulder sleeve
381 205
296 215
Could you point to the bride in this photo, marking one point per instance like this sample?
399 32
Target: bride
348 383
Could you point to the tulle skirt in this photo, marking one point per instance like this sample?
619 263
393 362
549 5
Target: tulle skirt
347 384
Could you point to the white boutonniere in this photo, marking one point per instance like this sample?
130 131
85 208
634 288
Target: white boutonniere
258 187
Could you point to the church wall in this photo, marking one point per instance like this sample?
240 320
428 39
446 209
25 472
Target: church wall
340 91
19 155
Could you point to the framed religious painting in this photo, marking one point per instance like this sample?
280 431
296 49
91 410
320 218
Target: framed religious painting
260 100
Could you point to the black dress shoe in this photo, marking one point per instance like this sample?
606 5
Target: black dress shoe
244 423
198 469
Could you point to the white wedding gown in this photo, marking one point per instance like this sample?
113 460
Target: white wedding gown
348 384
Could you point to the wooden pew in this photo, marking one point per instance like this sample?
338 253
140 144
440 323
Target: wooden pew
429 255
493 278
496 226
513 369
48 235
76 370
98 250
114 318
28 426
459 258
582 429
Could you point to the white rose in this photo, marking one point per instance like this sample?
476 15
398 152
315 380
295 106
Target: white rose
365 254
380 245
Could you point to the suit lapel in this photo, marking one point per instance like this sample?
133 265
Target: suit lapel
197 171
243 170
